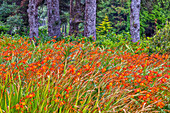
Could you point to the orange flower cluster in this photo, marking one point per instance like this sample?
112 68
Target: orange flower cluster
67 68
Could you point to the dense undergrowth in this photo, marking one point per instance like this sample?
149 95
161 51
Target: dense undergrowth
76 75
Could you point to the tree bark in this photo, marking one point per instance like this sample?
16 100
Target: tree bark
71 31
90 19
75 17
134 20
65 28
53 18
33 18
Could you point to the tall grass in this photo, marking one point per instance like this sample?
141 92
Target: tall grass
64 77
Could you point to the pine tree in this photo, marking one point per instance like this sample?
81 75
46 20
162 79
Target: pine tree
105 26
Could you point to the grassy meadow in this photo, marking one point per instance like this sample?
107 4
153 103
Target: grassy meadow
80 76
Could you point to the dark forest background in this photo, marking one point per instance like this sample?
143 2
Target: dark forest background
153 14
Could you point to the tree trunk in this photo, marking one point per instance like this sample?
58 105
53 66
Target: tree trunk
53 18
65 28
33 18
75 17
71 31
134 20
62 28
90 19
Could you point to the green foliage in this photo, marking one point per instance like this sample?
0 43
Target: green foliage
107 38
42 15
43 31
105 26
113 40
118 13
10 21
15 23
3 28
160 42
78 38
152 16
43 34
6 10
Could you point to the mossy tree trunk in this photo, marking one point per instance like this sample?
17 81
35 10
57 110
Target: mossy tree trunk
134 20
90 19
33 18
53 18
75 16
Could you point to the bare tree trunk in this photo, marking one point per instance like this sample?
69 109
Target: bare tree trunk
90 19
62 28
134 20
65 28
71 31
33 18
75 17
53 18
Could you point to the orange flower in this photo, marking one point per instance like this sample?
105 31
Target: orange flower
54 37
57 95
56 100
160 104
55 87
67 95
17 106
137 90
142 84
62 103
30 95
22 103
108 86
148 95
78 74
70 87
103 70
53 40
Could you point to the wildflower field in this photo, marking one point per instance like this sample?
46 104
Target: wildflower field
66 77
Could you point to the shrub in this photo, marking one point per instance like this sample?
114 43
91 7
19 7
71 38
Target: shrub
113 40
43 31
105 26
3 28
160 42
6 10
15 23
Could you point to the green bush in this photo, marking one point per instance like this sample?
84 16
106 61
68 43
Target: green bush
3 28
107 37
15 23
152 14
105 26
160 42
112 40
43 31
6 10
11 19
149 20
